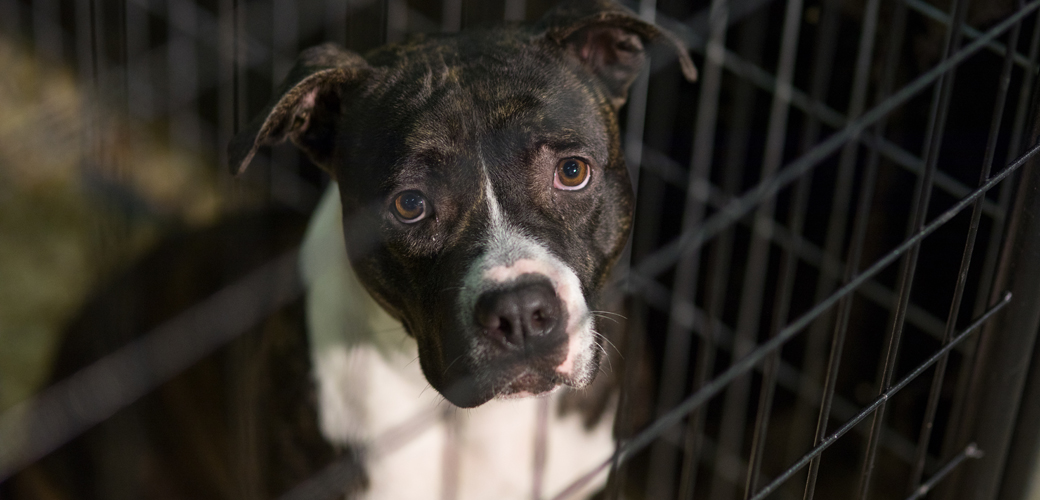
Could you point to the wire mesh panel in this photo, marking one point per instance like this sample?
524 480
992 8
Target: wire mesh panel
830 290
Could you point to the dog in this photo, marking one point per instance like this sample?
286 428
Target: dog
481 201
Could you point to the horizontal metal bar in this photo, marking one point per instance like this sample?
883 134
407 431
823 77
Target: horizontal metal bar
766 81
644 438
329 482
938 15
881 399
669 253
971 451
37 426
807 251
747 363
698 320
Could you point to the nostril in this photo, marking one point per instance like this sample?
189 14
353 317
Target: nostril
518 313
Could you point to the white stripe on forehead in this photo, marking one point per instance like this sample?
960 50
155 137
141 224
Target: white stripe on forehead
505 244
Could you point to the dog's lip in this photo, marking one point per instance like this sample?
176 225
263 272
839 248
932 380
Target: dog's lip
529 383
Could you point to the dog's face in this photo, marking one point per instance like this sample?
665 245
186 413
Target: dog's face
484 191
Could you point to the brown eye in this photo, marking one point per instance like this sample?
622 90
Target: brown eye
571 174
409 206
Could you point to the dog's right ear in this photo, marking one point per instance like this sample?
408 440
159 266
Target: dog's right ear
608 39
307 109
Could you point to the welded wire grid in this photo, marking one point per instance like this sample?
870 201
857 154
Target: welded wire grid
818 232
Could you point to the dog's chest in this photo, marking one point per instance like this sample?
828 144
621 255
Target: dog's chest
372 391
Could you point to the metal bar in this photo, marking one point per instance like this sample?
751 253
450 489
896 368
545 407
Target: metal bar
922 196
785 289
516 10
739 207
788 376
806 251
635 337
11 17
651 433
648 435
996 239
678 339
812 366
46 30
880 400
962 276
970 451
1004 197
969 32
836 232
751 42
1006 346
329 482
731 433
820 110
61 412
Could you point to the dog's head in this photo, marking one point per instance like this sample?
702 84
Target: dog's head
484 191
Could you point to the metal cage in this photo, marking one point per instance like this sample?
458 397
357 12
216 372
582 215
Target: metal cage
834 278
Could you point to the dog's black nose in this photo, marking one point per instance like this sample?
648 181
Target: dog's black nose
519 313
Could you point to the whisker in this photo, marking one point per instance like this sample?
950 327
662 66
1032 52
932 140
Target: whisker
612 313
605 339
452 363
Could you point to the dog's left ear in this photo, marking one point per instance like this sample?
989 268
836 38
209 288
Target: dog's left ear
307 108
608 39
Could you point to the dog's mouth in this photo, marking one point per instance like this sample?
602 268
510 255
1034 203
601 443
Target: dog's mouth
473 383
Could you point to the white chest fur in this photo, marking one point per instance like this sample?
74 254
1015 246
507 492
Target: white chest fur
372 391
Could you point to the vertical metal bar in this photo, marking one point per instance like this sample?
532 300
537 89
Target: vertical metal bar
182 76
11 17
647 214
450 456
1018 132
785 289
1021 478
922 195
396 20
636 106
541 447
678 338
731 434
336 13
996 238
862 212
962 276
140 91
822 69
1007 345
812 366
1003 359
720 259
47 34
516 10
227 87
451 15
284 46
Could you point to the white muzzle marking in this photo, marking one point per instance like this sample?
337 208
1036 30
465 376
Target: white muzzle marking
509 254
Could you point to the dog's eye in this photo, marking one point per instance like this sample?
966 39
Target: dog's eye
571 174
409 206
